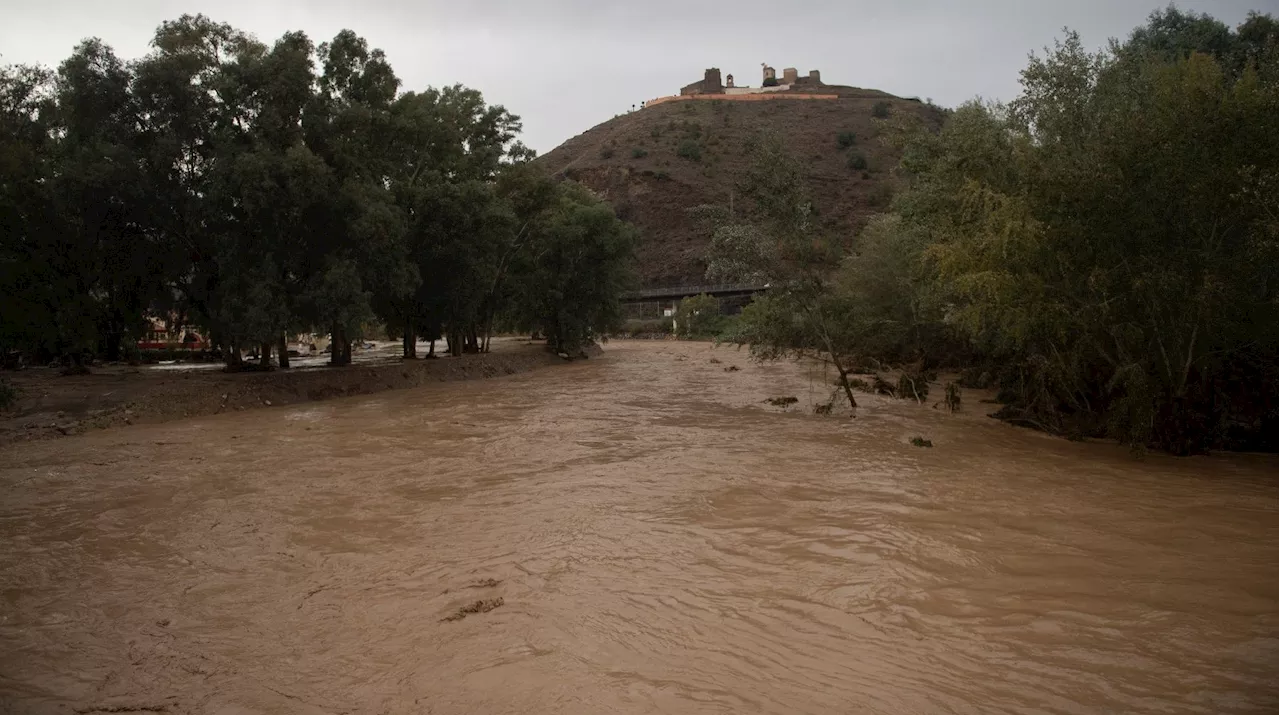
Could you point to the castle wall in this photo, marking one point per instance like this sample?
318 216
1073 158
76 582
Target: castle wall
753 97
756 90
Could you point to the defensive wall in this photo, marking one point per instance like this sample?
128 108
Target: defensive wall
756 97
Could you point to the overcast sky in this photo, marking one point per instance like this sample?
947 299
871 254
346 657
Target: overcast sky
567 65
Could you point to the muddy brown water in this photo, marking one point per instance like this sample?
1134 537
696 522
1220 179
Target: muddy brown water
635 533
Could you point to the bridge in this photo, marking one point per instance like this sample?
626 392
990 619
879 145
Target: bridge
659 302
718 290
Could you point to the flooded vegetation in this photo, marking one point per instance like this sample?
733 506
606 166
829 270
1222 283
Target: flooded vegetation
635 533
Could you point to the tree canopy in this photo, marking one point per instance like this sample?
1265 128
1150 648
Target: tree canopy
253 190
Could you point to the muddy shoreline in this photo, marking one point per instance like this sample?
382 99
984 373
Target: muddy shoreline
51 405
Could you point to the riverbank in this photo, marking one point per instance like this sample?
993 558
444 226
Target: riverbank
51 405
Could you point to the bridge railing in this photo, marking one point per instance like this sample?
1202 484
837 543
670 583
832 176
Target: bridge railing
684 291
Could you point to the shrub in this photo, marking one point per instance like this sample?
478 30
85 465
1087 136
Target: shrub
844 140
638 153
921 442
655 132
662 176
880 110
771 82
606 152
857 161
699 316
689 149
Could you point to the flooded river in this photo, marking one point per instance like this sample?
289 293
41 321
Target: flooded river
631 534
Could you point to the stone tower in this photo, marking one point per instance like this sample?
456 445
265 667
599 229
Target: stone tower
728 81
769 73
790 75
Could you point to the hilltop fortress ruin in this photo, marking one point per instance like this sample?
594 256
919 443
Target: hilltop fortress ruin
790 86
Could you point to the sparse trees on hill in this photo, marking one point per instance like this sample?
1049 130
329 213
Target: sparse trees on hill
260 189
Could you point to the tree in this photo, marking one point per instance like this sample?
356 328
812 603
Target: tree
569 283
783 245
1109 238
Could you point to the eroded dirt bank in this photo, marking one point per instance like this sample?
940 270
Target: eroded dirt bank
52 405
630 534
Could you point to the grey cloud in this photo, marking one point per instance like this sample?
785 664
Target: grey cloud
567 65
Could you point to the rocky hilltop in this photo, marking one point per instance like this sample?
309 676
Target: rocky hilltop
678 152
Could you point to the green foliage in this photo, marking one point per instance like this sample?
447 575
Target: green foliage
1108 239
880 110
921 442
249 190
699 316
606 152
689 149
662 176
569 285
844 140
770 82
856 161
639 153
1140 309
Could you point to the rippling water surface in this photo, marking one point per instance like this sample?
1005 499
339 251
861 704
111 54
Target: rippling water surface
660 541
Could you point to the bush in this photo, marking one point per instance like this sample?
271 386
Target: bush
699 316
771 82
857 161
844 140
606 152
655 132
921 442
880 110
662 176
638 153
689 149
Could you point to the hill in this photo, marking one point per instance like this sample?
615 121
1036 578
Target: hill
655 163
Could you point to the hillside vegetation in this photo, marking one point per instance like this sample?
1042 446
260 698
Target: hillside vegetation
1102 249
656 163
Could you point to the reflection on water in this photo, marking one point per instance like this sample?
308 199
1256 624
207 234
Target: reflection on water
660 540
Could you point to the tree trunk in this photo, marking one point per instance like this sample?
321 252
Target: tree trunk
844 382
283 346
431 349
339 349
410 343
232 356
264 359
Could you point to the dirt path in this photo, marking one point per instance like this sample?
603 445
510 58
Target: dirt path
52 405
